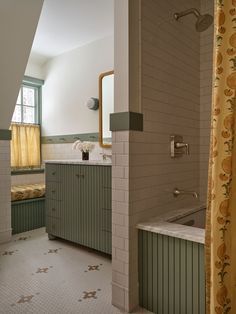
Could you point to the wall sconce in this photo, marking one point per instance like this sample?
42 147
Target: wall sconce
93 103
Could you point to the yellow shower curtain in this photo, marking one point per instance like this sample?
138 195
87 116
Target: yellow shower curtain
221 211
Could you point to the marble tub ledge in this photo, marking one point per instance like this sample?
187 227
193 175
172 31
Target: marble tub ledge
162 224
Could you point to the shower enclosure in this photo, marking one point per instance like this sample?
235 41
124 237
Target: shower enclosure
177 61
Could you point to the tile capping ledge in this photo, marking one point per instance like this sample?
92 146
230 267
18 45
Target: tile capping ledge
5 135
162 224
126 121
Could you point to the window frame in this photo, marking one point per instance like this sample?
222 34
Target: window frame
37 84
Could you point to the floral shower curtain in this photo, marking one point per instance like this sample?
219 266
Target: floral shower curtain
221 211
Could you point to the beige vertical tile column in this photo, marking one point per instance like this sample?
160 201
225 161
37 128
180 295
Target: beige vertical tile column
127 99
5 190
127 96
120 219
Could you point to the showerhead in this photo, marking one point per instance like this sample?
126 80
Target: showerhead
203 21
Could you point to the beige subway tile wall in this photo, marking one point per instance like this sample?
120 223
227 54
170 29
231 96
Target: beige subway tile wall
206 69
170 105
120 219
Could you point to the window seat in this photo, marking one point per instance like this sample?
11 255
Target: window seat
29 191
27 207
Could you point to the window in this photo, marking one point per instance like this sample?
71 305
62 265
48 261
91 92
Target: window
25 144
27 105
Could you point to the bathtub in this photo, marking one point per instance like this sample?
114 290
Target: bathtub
171 262
195 219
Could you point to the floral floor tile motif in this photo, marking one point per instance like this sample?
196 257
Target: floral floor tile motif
9 253
25 299
93 267
43 270
89 295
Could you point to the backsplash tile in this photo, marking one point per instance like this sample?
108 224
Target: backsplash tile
65 151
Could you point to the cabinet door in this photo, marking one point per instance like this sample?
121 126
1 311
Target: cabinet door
70 194
90 193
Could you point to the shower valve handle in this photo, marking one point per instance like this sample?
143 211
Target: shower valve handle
183 145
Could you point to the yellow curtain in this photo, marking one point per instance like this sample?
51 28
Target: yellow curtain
25 146
221 212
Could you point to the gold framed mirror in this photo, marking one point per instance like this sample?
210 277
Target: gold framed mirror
106 107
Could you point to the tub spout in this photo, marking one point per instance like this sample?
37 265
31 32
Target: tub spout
178 192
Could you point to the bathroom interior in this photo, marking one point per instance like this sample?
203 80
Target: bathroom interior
147 181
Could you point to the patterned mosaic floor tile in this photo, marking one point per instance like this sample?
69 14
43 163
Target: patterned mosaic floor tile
39 276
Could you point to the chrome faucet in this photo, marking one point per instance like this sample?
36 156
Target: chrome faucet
178 192
105 156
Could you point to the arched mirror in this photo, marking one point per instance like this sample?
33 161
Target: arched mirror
106 107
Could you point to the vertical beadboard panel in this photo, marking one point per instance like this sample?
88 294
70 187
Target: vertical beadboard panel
171 274
160 273
27 215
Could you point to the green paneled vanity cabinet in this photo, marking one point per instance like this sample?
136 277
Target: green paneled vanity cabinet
78 203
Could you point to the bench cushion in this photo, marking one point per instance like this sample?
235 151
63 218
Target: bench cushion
22 192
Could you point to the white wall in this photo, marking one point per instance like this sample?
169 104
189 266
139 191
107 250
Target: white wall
70 79
34 69
16 40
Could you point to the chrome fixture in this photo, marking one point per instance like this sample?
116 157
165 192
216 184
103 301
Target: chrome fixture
105 156
177 146
178 192
203 21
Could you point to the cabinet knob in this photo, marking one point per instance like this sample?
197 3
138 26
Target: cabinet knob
53 173
53 209
53 191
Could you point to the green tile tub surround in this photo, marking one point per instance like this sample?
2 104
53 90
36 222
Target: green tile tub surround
126 121
5 135
69 138
171 274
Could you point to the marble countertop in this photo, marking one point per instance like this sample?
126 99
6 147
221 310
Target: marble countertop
162 224
80 162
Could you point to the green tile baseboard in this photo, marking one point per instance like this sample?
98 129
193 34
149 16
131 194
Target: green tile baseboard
126 121
5 135
69 138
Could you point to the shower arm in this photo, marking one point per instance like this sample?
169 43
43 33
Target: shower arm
186 12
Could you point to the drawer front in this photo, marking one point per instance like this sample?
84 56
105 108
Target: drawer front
52 172
53 226
53 208
53 191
